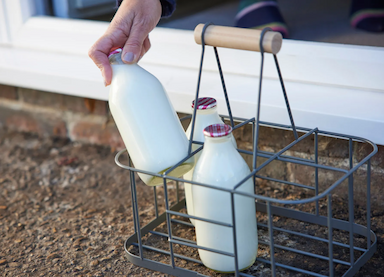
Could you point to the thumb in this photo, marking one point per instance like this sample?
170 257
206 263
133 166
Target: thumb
132 48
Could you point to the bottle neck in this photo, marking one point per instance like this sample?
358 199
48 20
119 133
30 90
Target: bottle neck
206 111
120 69
116 59
218 142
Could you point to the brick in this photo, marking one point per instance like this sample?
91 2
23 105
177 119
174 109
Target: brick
8 92
333 147
275 138
41 98
22 121
96 133
75 104
34 122
101 107
306 175
243 134
61 102
184 123
278 139
377 189
96 107
300 174
332 151
276 169
59 129
362 150
245 146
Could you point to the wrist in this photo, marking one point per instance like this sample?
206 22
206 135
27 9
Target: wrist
168 7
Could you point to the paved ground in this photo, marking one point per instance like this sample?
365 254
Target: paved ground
65 210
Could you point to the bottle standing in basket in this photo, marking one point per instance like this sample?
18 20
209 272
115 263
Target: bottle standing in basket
146 120
222 166
206 114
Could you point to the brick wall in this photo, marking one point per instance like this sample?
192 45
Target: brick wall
331 152
51 114
85 120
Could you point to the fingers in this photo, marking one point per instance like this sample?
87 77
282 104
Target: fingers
146 46
99 55
128 29
132 50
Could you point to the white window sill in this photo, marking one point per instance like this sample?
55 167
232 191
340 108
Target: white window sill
337 88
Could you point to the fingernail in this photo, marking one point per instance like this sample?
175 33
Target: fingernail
128 57
105 83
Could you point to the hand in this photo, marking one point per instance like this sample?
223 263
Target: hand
129 29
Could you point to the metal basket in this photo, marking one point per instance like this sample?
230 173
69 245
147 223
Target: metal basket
348 245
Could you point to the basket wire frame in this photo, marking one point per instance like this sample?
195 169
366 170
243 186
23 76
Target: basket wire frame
264 204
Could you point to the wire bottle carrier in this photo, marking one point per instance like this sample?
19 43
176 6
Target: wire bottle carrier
146 239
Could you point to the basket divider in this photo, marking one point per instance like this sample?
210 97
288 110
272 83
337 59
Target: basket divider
257 118
177 192
271 240
197 88
234 234
224 87
330 236
169 224
317 171
350 204
136 216
155 200
368 204
285 97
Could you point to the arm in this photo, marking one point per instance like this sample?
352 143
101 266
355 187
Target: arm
129 29
168 7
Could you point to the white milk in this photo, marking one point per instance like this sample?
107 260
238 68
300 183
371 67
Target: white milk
221 165
146 120
206 114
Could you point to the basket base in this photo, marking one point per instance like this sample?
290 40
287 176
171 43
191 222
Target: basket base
228 272
261 207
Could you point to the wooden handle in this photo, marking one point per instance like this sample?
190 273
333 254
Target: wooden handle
239 38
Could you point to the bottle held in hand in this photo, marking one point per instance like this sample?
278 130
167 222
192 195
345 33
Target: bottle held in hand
147 121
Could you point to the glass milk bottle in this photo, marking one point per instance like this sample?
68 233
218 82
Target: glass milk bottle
206 114
146 120
222 166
